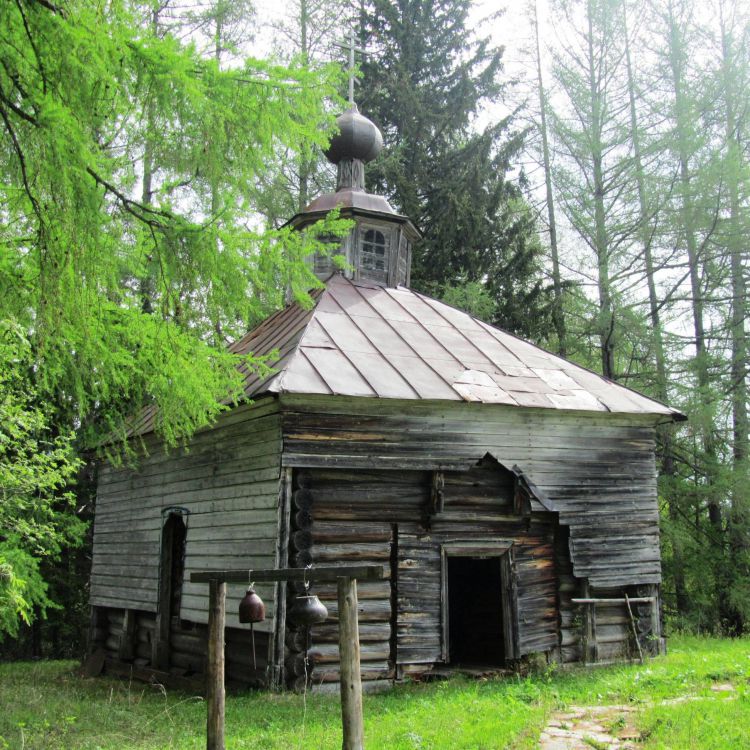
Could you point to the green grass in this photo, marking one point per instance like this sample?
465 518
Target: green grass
45 705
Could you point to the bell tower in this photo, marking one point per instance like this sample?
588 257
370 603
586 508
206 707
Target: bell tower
379 246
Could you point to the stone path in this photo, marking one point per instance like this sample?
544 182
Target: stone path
604 727
587 727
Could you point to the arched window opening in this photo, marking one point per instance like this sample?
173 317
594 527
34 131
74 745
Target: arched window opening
374 250
173 539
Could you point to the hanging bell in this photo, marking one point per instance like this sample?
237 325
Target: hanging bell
307 610
252 608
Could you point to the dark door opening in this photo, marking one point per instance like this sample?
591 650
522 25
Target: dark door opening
173 538
475 611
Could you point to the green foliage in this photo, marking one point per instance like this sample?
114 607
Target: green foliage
131 252
85 94
36 468
427 77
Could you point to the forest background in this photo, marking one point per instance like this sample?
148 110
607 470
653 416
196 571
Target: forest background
589 193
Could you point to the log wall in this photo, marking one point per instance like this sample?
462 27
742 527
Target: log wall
384 517
598 470
187 655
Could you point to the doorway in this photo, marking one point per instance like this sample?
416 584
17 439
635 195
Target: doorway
475 611
171 574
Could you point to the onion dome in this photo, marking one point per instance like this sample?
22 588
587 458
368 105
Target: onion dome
358 138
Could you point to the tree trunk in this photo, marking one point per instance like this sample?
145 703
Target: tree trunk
146 283
687 210
558 313
606 315
664 432
738 524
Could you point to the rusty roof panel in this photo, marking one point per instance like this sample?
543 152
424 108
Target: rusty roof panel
366 340
362 339
339 374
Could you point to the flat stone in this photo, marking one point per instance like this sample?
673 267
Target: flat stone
723 687
629 734
555 732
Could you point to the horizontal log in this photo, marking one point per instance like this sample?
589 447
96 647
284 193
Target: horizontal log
327 653
330 673
633 600
303 499
333 532
302 540
303 520
368 632
296 665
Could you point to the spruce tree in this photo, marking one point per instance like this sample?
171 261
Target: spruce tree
426 78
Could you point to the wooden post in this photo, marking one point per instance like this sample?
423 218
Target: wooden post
656 620
590 646
635 630
215 674
126 649
351 678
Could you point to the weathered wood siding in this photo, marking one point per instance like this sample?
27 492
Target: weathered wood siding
598 469
349 518
228 480
187 656
382 516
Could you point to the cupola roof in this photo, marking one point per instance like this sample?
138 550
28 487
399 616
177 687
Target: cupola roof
358 138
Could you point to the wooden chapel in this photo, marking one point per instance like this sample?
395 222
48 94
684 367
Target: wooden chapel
510 494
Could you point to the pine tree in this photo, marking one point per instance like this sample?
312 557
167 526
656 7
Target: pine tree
425 79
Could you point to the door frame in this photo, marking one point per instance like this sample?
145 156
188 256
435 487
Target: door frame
502 549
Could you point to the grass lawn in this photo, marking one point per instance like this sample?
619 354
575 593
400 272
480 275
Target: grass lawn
45 705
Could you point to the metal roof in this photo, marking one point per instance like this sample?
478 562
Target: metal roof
363 339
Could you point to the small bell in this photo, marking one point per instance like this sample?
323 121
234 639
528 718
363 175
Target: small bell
307 610
252 608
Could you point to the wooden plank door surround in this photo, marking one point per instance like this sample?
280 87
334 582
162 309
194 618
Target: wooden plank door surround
500 551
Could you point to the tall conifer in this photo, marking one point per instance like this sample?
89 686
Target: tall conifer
427 78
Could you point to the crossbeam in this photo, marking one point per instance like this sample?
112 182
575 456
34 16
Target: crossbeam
321 573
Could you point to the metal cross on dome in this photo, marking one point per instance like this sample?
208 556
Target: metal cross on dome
350 46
